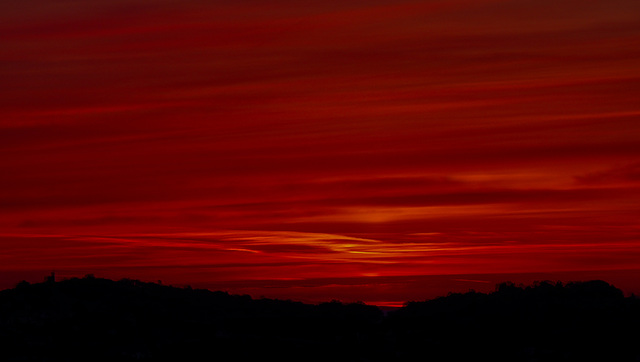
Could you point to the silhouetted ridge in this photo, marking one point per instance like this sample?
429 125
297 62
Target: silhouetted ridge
545 321
93 318
100 319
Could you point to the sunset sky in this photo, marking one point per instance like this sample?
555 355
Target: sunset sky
378 150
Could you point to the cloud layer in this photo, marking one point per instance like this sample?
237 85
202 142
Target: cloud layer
315 140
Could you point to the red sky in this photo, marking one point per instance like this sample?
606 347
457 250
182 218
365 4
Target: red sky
364 150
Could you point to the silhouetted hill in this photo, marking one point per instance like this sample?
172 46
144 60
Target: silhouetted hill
544 322
100 319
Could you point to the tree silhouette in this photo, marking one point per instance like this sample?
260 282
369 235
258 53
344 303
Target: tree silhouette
100 319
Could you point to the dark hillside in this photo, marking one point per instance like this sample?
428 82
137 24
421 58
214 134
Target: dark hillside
91 318
100 319
543 322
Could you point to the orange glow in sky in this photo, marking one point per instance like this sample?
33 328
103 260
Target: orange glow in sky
379 150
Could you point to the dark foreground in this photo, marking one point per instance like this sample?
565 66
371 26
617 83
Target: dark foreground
93 319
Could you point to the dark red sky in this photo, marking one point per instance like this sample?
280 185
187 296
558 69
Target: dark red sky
363 150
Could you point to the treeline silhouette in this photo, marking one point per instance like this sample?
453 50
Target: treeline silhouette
103 320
